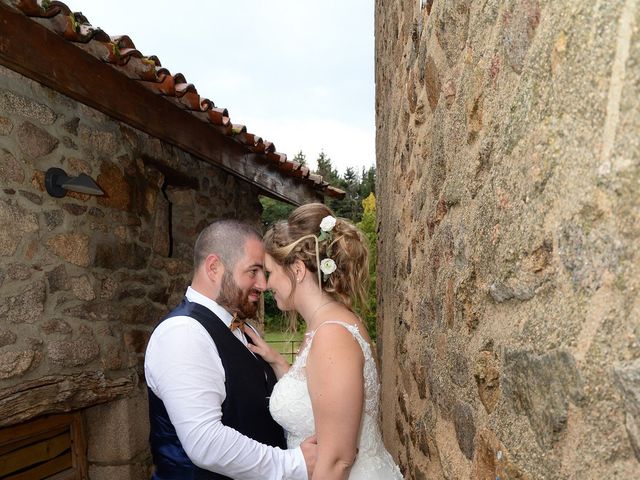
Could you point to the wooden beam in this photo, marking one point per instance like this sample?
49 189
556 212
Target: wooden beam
40 54
60 393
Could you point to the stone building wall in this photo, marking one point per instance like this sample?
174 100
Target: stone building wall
508 154
83 279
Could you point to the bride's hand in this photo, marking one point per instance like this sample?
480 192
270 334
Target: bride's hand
261 347
271 356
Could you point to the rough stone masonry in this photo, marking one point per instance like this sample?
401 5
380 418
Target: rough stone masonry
84 279
508 152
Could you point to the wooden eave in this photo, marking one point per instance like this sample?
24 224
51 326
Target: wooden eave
40 54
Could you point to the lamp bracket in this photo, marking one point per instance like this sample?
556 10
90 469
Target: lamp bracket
53 180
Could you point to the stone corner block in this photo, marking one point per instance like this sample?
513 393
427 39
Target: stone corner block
118 431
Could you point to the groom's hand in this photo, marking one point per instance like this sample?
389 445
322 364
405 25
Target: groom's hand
310 451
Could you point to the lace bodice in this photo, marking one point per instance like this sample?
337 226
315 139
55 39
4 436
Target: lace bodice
290 406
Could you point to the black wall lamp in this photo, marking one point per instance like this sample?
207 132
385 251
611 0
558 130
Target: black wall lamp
57 183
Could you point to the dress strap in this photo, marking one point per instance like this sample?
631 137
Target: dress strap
301 359
353 329
348 326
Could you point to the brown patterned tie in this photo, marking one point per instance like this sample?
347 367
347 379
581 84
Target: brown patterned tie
236 322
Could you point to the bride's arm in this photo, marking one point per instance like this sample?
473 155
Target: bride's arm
277 362
336 387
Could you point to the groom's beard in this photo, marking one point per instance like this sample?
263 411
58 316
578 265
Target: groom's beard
236 300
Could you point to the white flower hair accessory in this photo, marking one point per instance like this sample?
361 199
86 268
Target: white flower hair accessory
327 224
327 266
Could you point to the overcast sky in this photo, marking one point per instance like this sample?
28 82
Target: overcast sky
296 72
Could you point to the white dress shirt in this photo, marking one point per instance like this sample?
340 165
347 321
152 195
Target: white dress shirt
183 368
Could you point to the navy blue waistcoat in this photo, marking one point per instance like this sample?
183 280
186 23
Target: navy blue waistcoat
248 384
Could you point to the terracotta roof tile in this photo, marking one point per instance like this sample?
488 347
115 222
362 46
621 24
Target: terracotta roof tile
32 8
304 171
315 178
269 147
142 68
259 146
219 116
121 53
163 85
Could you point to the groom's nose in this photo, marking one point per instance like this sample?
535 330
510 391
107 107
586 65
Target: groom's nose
261 281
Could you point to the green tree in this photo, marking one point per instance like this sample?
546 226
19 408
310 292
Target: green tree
325 168
301 158
272 211
368 181
331 176
350 177
369 228
352 204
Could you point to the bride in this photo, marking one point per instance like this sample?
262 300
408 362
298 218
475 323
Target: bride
317 266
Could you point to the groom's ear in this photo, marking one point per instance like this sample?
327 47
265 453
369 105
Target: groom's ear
214 268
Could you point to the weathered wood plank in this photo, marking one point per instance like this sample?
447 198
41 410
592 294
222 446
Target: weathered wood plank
35 427
36 453
46 470
65 475
10 446
60 393
79 447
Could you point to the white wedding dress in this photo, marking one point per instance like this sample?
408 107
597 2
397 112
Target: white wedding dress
290 406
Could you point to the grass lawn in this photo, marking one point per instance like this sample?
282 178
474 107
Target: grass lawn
287 343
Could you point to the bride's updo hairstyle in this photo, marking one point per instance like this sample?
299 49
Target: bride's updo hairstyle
346 246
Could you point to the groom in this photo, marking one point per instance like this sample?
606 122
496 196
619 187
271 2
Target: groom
208 393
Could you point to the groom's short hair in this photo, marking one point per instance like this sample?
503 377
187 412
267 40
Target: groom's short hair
226 239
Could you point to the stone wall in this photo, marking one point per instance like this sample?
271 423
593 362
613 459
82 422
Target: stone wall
83 279
508 147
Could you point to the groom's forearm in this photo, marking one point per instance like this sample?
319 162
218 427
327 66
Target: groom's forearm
243 458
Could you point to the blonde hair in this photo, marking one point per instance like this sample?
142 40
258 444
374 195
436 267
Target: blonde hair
296 239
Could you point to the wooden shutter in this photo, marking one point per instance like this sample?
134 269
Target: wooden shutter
51 447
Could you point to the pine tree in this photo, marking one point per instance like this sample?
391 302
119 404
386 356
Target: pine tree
301 158
329 174
368 182
352 204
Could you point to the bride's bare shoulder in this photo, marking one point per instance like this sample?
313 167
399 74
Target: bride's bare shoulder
336 337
